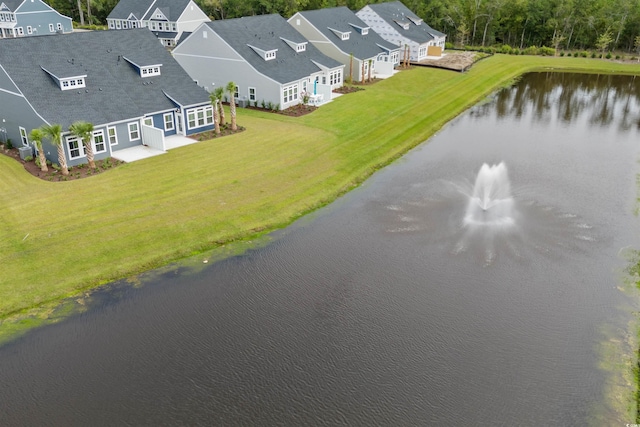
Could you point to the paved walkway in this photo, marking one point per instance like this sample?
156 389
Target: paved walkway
140 152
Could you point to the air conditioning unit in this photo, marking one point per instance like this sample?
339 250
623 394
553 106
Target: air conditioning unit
25 152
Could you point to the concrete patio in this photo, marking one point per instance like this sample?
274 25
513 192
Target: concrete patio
140 152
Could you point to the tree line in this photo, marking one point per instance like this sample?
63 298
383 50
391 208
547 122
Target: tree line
561 24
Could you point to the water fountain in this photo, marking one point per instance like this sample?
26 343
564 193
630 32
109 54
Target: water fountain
491 203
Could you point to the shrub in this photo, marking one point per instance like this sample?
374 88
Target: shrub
617 56
584 54
448 45
561 53
9 144
593 55
531 50
270 105
264 104
276 107
28 158
608 56
546 51
506 49
516 51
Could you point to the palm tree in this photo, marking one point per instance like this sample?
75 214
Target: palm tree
231 88
36 136
54 133
214 101
84 131
219 92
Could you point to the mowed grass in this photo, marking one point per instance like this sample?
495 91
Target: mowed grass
58 239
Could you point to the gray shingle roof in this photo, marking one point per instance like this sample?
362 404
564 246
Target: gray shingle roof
395 11
171 9
342 19
265 32
124 8
12 4
114 89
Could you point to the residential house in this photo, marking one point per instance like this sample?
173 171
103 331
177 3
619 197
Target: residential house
167 19
400 26
339 33
264 56
31 18
124 82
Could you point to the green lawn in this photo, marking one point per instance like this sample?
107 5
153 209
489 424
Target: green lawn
57 239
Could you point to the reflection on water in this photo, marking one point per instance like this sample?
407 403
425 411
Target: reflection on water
385 309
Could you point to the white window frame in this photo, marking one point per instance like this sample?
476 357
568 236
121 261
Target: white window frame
59 26
168 120
199 117
118 24
98 138
269 55
335 77
23 136
113 137
290 93
112 24
149 71
29 29
80 147
422 51
20 31
51 30
252 95
72 83
148 121
134 129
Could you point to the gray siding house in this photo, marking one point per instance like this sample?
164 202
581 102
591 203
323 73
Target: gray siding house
398 25
167 19
339 33
267 59
124 82
31 18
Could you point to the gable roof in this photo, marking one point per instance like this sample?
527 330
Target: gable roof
266 32
341 19
397 15
114 89
125 8
171 9
12 4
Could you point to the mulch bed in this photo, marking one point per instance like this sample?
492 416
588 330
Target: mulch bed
225 130
75 172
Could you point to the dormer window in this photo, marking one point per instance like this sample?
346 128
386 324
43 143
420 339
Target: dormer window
415 20
298 47
403 24
362 30
150 71
269 55
344 35
72 83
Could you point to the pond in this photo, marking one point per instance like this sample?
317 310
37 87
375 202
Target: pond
412 300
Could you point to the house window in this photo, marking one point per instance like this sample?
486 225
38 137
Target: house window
75 147
134 131
290 93
59 26
252 94
2 17
422 52
113 136
199 117
335 77
118 25
153 25
29 29
51 30
148 121
301 47
204 34
344 36
168 122
270 55
23 136
98 142
112 25
150 71
20 31
236 93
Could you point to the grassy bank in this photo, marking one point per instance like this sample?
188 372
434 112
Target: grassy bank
57 239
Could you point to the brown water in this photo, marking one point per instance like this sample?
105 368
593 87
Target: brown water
386 307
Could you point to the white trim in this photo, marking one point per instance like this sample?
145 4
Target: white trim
115 135
77 140
104 142
24 136
195 111
164 120
131 132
